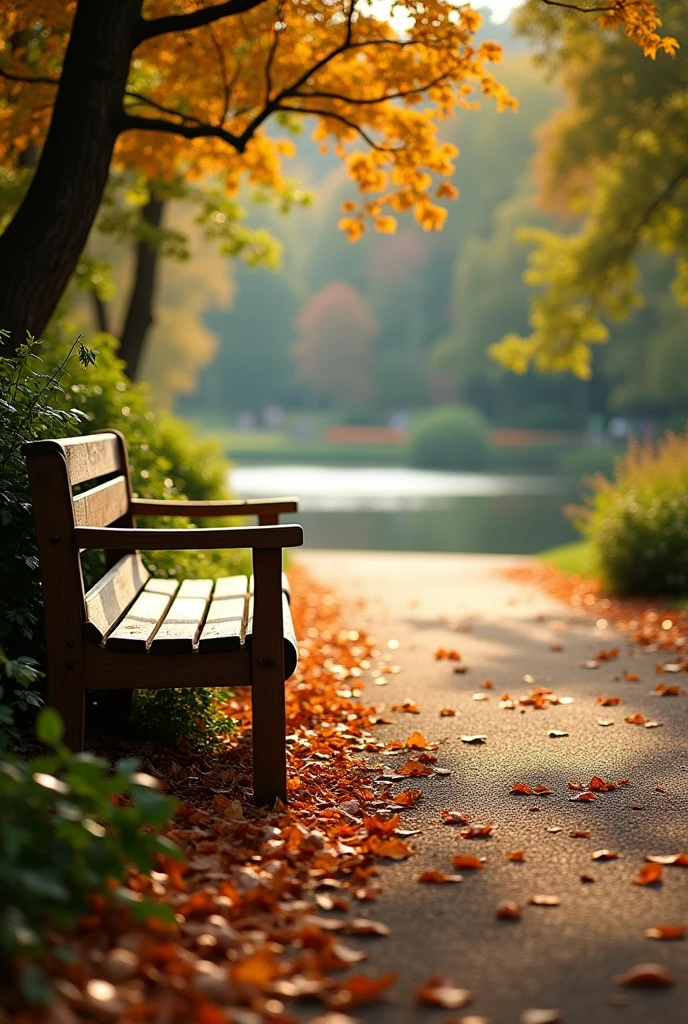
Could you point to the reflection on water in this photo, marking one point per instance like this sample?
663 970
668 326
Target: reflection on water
392 508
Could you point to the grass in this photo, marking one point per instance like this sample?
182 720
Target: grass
577 557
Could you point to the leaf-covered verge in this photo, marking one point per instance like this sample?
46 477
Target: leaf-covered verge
59 388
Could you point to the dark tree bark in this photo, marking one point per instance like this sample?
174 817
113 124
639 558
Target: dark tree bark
139 316
41 246
100 311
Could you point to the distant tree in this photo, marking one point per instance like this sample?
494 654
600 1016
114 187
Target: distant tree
334 348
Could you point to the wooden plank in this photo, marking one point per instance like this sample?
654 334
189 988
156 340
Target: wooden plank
182 625
103 504
291 647
138 627
112 538
196 509
91 456
225 622
114 670
107 601
267 672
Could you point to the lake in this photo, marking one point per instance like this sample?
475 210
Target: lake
400 509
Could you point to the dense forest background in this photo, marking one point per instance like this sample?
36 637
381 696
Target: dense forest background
394 323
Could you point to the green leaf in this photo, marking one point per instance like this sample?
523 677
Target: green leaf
49 727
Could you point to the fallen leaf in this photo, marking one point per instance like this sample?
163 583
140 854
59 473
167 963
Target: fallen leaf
521 789
653 725
605 721
543 791
413 768
555 734
636 719
583 798
460 669
479 696
393 849
447 713
465 862
667 932
433 877
488 685
358 989
509 911
408 797
554 828
516 855
454 818
409 706
630 677
580 833
417 741
588 878
604 855
591 663
576 785
474 740
609 655
545 901
609 702
647 976
649 874
534 809
363 926
477 832
681 859
447 655
440 992
540 1017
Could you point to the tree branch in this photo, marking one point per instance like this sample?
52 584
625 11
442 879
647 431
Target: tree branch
129 122
159 106
350 124
149 28
376 99
588 10
10 76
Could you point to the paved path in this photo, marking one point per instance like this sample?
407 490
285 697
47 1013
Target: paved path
564 956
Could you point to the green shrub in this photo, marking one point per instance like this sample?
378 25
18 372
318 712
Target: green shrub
583 461
450 437
69 828
192 716
637 523
17 695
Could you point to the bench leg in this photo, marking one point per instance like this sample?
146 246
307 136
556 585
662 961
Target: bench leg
267 680
71 705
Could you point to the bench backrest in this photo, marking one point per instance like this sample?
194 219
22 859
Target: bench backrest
55 468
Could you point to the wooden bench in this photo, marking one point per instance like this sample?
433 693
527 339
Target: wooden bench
133 632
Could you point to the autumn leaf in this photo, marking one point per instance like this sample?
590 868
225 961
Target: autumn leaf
477 832
393 849
447 713
409 706
647 976
417 741
648 874
636 719
580 834
666 932
414 768
545 901
509 911
521 789
358 989
466 862
433 877
516 855
609 702
604 855
681 859
258 969
542 791
440 992
454 818
540 1017
408 797
363 926
475 741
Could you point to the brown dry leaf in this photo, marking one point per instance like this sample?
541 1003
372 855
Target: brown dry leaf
647 976
580 833
465 862
358 989
365 927
408 797
450 654
630 677
554 828
534 809
327 902
454 818
477 831
414 768
509 911
257 969
584 798
609 655
604 855
488 685
393 849
521 789
516 855
475 741
649 874
540 1017
588 878
542 791
440 992
409 706
545 901
433 877
605 721
666 932
447 713
636 719
609 702
459 670
576 785
681 859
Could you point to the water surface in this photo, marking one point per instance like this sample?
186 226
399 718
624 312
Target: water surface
395 508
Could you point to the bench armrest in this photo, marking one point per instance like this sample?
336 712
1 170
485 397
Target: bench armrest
114 538
251 507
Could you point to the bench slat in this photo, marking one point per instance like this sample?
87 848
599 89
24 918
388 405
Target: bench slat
111 596
139 625
89 457
225 622
183 622
103 504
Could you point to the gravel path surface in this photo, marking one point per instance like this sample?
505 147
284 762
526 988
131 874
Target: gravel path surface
566 956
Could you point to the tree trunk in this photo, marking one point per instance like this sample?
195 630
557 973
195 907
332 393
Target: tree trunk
100 311
40 249
140 312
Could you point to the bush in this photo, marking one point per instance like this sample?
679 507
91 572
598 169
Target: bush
450 437
590 459
637 523
69 828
